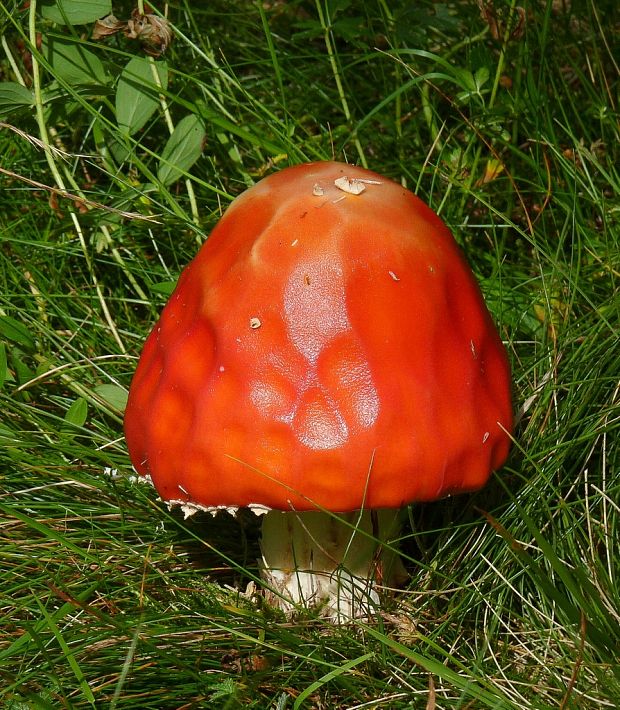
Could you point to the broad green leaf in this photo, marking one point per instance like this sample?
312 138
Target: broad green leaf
16 332
23 373
465 79
182 149
75 12
163 287
14 95
73 62
113 395
137 93
119 151
77 412
481 77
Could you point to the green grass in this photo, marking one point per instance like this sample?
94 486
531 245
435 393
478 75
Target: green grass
107 599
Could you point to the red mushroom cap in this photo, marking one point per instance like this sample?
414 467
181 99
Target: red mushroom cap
324 348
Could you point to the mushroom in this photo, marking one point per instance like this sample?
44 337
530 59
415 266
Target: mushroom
326 359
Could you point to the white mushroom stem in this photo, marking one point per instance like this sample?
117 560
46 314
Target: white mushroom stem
335 563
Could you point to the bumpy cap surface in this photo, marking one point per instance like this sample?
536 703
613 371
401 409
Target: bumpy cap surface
327 346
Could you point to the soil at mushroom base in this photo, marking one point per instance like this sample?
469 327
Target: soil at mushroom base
328 350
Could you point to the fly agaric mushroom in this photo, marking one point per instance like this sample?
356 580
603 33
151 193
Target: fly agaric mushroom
326 359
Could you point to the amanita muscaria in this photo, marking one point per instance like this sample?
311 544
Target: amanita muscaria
326 359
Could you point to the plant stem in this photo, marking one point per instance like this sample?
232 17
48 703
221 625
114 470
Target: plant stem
49 155
336 73
12 61
170 124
